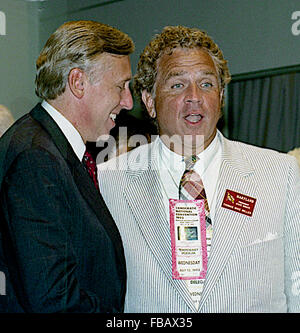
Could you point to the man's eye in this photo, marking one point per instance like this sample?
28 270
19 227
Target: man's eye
206 84
177 85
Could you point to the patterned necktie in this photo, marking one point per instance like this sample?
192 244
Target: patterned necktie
90 165
191 185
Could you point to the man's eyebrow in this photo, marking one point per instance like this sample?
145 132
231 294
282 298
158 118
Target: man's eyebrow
174 74
209 73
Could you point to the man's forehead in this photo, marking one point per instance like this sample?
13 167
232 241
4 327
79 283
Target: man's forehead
185 57
182 61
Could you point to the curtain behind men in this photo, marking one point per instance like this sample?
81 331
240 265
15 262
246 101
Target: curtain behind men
265 111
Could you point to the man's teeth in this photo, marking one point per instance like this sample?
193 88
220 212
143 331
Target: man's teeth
193 118
113 116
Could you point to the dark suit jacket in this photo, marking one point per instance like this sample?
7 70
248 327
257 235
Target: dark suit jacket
60 249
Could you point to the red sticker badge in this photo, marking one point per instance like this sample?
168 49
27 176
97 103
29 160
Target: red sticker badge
238 202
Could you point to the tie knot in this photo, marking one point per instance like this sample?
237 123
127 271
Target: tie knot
190 162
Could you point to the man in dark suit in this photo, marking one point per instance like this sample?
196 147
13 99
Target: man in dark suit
60 250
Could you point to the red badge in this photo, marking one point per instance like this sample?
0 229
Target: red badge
238 202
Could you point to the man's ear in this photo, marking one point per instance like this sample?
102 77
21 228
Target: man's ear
76 81
149 103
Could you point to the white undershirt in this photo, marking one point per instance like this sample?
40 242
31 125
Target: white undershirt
68 129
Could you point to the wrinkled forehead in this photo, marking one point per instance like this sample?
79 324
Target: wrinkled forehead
183 60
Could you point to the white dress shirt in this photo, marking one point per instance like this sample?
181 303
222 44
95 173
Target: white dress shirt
68 129
171 167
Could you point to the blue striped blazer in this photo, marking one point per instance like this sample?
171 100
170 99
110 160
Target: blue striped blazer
254 264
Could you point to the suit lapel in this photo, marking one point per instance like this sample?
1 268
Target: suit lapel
150 215
235 174
81 177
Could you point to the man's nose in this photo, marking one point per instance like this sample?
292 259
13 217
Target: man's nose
126 99
193 94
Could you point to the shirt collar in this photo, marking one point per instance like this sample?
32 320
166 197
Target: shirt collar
175 163
207 156
68 129
170 160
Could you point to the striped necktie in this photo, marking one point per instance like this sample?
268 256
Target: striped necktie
191 186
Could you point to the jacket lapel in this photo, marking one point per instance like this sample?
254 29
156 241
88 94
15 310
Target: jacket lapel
81 178
150 215
236 175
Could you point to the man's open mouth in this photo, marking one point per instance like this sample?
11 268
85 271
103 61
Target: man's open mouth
193 118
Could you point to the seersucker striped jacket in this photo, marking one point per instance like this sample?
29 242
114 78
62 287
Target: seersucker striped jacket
254 265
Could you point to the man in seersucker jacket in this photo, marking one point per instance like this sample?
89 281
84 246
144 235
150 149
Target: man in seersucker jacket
250 261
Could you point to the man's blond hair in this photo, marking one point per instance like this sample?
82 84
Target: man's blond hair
76 44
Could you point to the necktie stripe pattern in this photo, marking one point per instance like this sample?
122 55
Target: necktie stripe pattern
90 165
191 185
